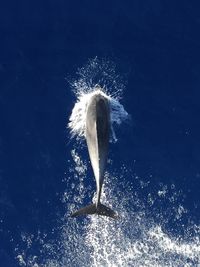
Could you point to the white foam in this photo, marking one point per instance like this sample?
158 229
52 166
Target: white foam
78 117
96 74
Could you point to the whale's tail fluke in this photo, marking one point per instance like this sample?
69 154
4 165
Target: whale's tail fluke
92 209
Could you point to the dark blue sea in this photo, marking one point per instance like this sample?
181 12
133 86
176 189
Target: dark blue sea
150 51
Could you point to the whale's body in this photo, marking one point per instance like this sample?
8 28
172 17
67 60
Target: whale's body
97 138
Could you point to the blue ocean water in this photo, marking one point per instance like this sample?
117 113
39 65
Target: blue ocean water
153 175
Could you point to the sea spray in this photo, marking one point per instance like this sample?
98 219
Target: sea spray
97 76
78 117
136 239
140 237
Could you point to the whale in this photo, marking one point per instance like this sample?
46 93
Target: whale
97 133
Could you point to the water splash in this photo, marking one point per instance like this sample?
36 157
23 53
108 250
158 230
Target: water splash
99 72
137 238
140 238
134 240
94 79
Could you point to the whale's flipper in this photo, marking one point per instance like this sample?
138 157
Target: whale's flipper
92 209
